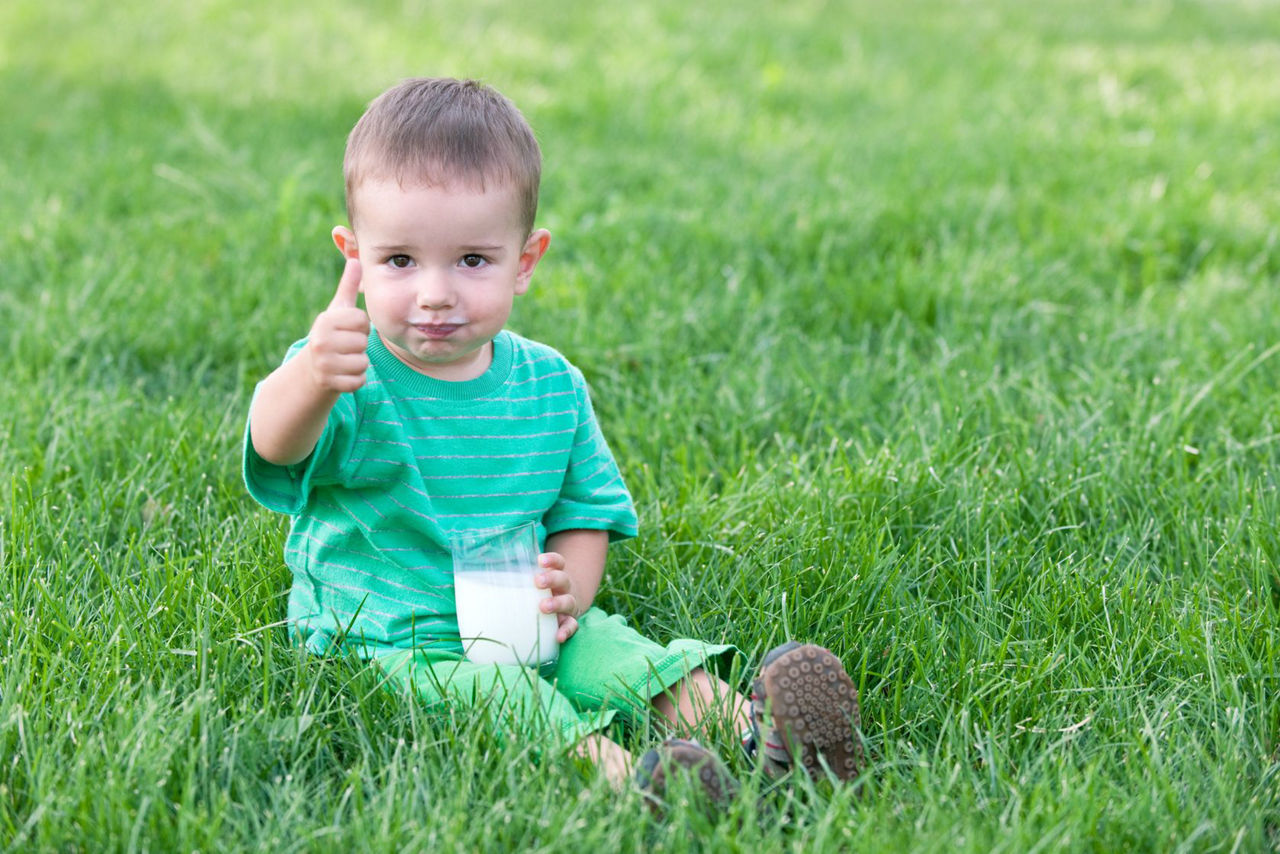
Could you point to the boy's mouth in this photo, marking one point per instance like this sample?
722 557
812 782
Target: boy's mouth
437 330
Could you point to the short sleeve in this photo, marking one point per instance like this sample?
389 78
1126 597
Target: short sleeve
285 489
594 495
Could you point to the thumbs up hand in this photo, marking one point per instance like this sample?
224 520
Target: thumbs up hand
339 337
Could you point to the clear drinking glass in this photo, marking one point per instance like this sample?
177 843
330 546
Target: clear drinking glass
497 603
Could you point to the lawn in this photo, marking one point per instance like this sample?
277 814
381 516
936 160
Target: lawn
941 334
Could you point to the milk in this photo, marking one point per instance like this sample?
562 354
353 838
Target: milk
499 620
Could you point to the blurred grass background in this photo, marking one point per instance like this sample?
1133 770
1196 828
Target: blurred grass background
942 334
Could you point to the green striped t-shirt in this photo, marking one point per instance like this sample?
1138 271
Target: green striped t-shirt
408 459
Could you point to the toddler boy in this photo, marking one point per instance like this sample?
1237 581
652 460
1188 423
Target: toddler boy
391 428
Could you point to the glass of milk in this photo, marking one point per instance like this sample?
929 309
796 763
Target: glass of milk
497 604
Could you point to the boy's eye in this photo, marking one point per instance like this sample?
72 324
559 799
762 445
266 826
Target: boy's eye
400 261
472 260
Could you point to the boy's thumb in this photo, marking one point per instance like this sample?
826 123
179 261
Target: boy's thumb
348 286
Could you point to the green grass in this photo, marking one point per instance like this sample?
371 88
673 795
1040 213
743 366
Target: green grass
942 334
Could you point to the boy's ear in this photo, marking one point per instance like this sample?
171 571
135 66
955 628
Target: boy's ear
534 248
345 239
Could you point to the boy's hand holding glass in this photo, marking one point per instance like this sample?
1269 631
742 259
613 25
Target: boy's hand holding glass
338 338
562 602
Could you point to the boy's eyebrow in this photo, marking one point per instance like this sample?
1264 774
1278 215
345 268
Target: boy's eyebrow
400 248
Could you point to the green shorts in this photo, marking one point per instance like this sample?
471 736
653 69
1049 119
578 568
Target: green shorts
606 669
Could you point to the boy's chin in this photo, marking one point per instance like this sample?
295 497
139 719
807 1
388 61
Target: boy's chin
443 361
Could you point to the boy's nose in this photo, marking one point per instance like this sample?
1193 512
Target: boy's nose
434 290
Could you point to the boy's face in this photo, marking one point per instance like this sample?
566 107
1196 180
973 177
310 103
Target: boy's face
441 266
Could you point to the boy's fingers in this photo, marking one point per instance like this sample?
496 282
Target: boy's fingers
563 605
348 286
567 628
553 580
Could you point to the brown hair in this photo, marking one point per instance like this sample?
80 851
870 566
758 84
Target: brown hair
440 130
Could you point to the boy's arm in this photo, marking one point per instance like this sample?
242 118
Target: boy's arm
573 579
292 406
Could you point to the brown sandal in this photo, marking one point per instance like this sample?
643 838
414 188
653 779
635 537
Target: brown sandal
676 755
812 706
